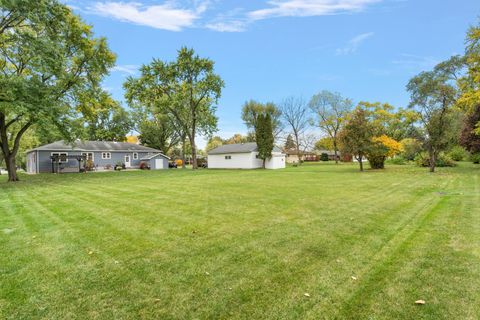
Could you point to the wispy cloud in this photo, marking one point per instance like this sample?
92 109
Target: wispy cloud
231 21
415 63
354 43
129 69
308 8
167 16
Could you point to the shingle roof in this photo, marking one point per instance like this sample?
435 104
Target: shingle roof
151 156
238 148
95 146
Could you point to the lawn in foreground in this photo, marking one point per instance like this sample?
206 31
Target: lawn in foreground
242 244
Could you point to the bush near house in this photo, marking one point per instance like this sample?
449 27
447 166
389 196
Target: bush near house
324 157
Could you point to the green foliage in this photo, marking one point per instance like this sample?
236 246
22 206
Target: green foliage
264 136
48 58
324 144
324 157
376 155
469 136
398 160
475 157
423 160
457 153
411 148
252 109
356 136
289 143
187 90
330 114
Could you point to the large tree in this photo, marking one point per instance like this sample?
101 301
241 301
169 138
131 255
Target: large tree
330 111
294 113
103 118
187 89
252 109
264 136
470 136
433 94
47 57
357 134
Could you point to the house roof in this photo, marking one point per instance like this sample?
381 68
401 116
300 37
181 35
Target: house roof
94 146
151 156
238 148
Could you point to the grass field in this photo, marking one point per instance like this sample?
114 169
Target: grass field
242 244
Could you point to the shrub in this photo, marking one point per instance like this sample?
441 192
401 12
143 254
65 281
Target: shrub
324 157
398 160
179 162
457 153
475 158
89 165
423 160
144 166
376 161
411 148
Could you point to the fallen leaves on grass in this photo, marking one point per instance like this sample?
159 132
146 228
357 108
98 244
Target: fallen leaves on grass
354 278
307 295
420 302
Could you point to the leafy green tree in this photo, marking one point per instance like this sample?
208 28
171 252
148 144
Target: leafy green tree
264 136
47 57
158 132
325 143
432 97
187 89
469 136
289 143
213 143
103 118
251 109
238 138
356 135
330 111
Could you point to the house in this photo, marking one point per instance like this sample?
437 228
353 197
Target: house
292 156
101 155
243 156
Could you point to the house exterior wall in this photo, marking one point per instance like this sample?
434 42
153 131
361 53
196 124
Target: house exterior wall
155 165
44 163
244 161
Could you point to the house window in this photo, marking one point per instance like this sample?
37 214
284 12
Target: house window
62 157
257 156
228 157
135 156
88 155
106 155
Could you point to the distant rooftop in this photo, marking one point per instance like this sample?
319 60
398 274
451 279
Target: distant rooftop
238 148
95 146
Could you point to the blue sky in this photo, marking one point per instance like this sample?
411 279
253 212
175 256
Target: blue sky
268 50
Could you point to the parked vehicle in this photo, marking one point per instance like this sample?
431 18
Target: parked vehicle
172 164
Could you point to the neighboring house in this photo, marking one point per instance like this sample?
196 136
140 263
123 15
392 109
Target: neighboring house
62 157
243 156
292 156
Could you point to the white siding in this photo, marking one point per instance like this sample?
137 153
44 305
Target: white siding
244 161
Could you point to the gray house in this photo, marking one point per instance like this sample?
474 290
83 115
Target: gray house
104 155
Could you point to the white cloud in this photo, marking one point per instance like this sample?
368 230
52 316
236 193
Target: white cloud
129 69
354 44
166 16
415 62
308 8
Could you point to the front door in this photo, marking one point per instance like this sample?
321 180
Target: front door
127 161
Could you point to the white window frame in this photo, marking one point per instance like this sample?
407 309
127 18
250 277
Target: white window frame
135 156
88 153
59 154
106 155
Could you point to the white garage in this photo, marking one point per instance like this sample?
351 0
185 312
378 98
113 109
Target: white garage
243 156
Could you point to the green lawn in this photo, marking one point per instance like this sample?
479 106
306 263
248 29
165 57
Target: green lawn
217 244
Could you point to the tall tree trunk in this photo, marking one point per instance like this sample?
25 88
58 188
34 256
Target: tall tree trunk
297 143
194 153
183 152
263 163
433 159
11 168
360 161
335 149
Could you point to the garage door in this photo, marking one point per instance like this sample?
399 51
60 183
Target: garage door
159 164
